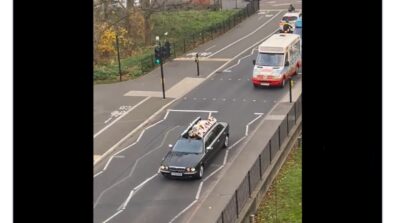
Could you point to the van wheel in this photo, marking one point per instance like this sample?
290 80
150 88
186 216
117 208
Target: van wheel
283 82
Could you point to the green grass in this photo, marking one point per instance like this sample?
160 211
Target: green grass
182 24
283 203
178 24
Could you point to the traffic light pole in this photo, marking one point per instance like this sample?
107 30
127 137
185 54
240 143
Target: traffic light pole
162 73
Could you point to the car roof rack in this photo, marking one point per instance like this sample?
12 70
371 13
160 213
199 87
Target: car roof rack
185 132
198 128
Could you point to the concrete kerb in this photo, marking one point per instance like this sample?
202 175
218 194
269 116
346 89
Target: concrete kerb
98 159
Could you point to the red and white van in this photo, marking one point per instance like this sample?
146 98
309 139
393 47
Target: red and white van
278 59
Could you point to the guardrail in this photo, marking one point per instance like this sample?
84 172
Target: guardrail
259 171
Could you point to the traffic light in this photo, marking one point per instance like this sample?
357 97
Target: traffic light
157 55
167 49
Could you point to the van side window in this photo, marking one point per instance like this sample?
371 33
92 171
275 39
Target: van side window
295 51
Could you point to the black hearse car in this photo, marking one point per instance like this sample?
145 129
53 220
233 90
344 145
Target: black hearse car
195 148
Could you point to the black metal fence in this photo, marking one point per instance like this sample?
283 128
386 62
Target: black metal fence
189 42
244 191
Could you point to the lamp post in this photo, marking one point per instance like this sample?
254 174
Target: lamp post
118 57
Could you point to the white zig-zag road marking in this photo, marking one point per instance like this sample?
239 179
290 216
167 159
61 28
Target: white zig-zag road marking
111 217
136 189
213 173
129 197
236 56
251 33
132 132
133 168
247 126
251 53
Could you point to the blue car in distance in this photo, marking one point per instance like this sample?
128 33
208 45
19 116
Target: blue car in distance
298 28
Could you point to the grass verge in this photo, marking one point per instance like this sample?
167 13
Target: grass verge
180 25
283 201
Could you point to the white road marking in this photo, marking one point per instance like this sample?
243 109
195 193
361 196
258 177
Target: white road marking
226 71
205 111
247 126
194 99
221 79
199 191
281 4
239 79
133 168
146 181
204 54
246 36
108 162
184 210
105 122
251 53
120 117
214 99
166 115
191 54
204 99
201 59
100 172
229 79
127 200
269 15
210 47
214 172
113 216
225 157
132 132
254 100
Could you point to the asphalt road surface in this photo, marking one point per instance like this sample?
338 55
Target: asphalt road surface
127 185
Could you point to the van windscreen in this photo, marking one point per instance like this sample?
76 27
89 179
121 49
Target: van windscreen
289 18
270 59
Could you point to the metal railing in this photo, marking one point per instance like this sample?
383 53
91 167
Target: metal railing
265 158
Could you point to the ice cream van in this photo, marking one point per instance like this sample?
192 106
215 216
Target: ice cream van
278 59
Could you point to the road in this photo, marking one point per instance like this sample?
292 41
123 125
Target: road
127 186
